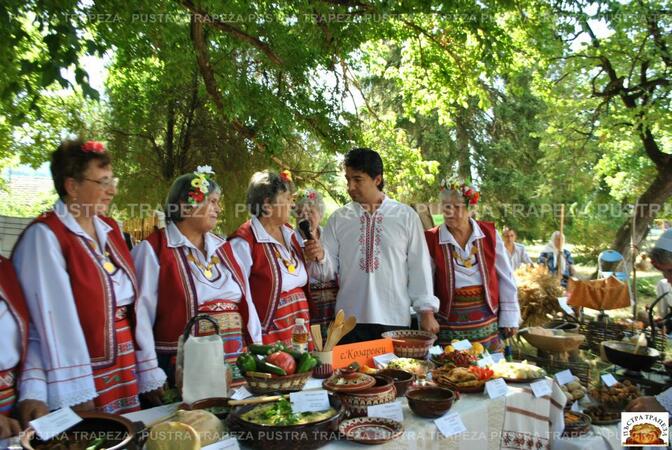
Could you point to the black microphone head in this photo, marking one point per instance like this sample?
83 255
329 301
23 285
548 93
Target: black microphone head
304 226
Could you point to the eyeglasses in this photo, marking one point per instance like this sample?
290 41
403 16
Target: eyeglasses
105 183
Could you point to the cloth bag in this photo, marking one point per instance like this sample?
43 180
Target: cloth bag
201 371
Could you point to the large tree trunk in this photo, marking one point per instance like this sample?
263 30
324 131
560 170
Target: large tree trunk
648 206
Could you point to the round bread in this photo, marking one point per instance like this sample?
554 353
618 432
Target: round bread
173 436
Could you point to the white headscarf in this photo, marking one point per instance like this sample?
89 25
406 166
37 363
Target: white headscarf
559 260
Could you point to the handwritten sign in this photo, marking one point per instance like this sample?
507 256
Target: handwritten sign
382 361
496 388
309 401
541 388
564 377
462 345
55 423
387 410
450 424
361 352
609 380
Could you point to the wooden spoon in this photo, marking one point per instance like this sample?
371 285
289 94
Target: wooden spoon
334 337
340 318
349 325
317 336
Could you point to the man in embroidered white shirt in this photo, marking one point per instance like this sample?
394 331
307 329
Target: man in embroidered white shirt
376 247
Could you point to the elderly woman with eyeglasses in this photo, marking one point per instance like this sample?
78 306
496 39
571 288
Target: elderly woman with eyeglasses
472 273
185 269
80 287
271 257
322 300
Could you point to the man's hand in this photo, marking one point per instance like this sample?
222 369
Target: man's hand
645 404
313 250
8 427
428 322
508 332
28 410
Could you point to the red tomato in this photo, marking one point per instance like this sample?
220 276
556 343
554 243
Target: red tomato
282 360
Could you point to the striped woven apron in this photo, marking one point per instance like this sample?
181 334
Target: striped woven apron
470 318
322 304
117 385
7 390
291 306
227 315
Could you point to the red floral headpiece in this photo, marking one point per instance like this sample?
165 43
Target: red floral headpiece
93 147
286 176
471 195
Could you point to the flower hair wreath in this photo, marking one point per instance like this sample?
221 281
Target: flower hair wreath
93 147
471 195
286 176
200 185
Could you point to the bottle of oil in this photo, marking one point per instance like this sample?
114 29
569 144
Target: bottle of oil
300 336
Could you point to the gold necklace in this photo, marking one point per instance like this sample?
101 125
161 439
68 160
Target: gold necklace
289 264
207 271
466 262
105 258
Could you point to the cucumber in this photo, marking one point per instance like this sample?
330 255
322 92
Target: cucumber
259 349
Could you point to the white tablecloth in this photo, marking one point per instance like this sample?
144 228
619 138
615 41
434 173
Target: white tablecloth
483 418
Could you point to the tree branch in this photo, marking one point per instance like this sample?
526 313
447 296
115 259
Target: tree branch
200 15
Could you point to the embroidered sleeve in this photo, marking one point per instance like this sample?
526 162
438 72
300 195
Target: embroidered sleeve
327 269
509 310
41 270
419 266
33 381
150 376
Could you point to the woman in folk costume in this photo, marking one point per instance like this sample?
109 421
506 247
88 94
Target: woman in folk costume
322 300
472 273
271 257
79 283
183 270
14 324
558 259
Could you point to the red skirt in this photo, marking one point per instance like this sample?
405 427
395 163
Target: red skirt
7 391
117 385
292 305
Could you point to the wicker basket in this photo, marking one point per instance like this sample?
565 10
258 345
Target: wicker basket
288 383
598 332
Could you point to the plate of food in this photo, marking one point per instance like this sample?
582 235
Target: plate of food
616 397
371 430
576 424
517 372
416 366
465 380
600 415
458 358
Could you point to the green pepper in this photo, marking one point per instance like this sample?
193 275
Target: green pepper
259 349
246 363
295 354
306 363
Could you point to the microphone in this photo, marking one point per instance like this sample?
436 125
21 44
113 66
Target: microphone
304 226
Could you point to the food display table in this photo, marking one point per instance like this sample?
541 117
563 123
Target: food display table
483 418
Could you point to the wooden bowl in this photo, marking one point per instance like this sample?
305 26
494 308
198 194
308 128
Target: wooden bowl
554 344
411 343
430 401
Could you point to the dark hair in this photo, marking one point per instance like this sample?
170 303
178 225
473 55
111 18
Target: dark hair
367 161
178 196
660 256
265 185
70 161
